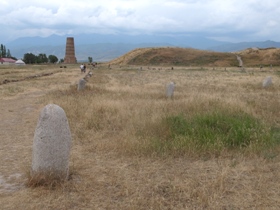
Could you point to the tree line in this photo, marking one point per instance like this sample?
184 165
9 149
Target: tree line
30 58
4 52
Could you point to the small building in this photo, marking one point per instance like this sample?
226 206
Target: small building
7 61
19 62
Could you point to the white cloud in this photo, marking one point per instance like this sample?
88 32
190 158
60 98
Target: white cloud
254 19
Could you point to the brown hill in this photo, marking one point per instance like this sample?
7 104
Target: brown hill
258 56
175 57
169 56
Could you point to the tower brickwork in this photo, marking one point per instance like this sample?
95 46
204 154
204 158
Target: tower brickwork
70 51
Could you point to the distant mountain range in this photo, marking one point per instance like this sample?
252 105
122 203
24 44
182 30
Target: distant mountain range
107 47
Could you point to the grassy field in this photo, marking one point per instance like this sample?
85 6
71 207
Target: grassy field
214 146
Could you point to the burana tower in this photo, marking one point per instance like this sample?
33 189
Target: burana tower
70 51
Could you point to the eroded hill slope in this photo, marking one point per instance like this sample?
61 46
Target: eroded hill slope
260 57
175 56
169 56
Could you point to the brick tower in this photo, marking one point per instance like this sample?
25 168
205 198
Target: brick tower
70 51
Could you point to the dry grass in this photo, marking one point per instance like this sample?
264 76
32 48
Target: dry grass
28 78
112 122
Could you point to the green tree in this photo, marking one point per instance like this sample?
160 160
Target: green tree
42 58
9 54
4 53
53 59
1 50
90 59
29 58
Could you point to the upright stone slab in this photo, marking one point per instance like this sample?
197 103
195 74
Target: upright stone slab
239 61
267 82
170 90
82 84
52 143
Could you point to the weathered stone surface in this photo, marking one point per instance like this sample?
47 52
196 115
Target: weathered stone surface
70 51
82 84
52 143
267 82
239 61
170 90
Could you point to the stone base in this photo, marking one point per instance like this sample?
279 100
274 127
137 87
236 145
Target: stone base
70 60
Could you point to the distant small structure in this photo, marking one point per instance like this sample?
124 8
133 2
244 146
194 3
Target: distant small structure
239 61
70 51
7 61
267 82
81 84
170 90
19 62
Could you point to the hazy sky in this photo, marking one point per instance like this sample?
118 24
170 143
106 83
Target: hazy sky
225 20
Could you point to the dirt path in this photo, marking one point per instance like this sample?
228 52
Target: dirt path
19 115
239 61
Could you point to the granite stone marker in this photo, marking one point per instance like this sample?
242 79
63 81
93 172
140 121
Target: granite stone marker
81 84
170 90
239 61
52 144
267 82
